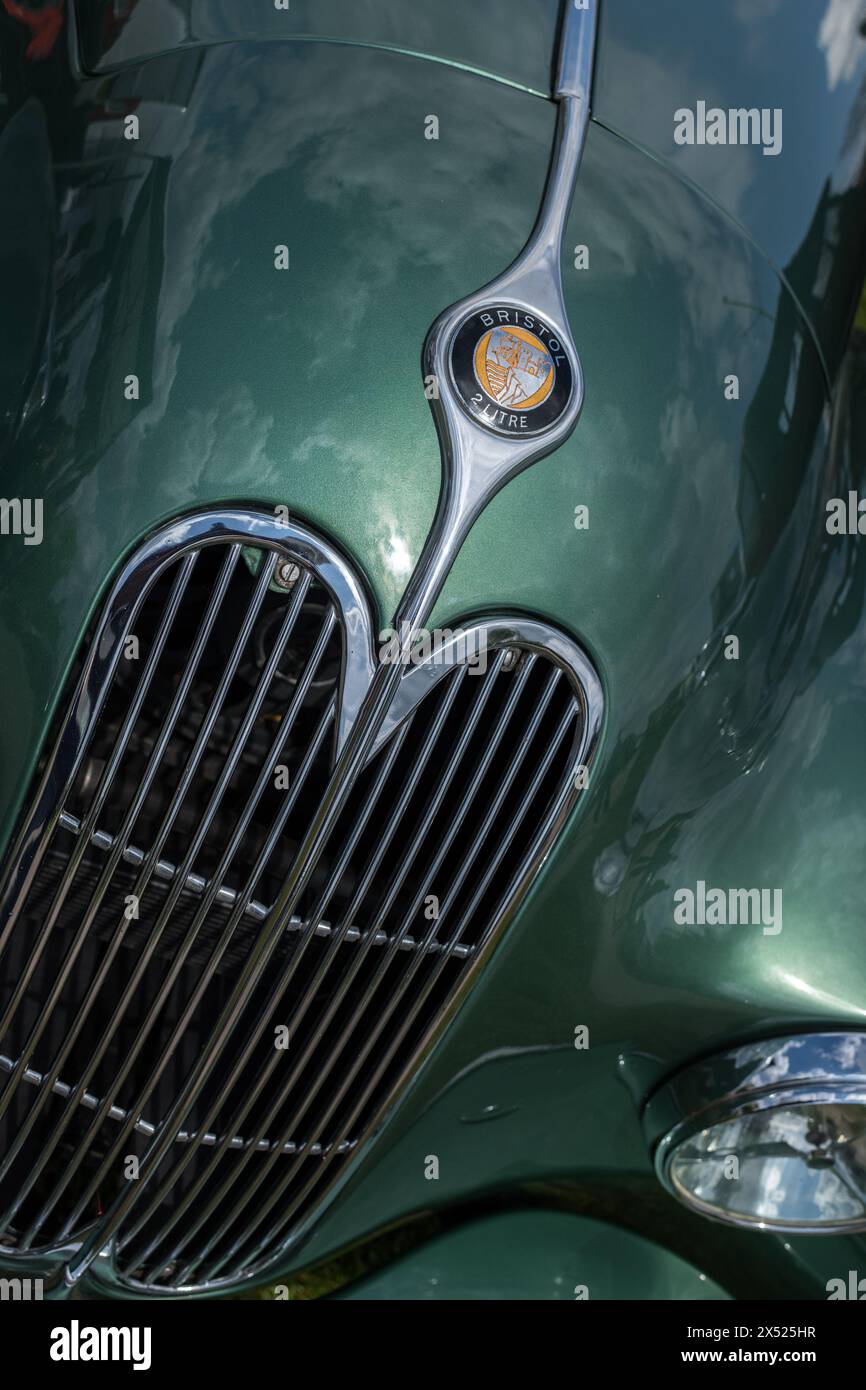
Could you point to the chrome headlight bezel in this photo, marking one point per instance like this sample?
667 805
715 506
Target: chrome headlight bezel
827 1068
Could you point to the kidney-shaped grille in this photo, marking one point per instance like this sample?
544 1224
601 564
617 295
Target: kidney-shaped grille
194 750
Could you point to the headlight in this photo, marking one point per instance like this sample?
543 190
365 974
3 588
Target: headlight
771 1135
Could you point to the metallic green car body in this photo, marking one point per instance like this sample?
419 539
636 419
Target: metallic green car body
705 514
537 1255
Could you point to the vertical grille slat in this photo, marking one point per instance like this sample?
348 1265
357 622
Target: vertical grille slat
309 932
59 775
87 826
300 1009
178 961
305 1001
230 1018
150 950
388 1009
382 965
162 834
239 1117
300 1197
167 1125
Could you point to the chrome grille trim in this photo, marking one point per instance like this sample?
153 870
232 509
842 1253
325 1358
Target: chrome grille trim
162 868
91 1102
227 897
142 881
211 1237
345 982
144 567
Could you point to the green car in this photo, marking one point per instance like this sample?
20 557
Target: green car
432 653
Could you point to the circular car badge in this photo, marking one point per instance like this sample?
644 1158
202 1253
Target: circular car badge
511 371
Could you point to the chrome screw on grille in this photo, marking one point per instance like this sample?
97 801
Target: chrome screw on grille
286 574
511 658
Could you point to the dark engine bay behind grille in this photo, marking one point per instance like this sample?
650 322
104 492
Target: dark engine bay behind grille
114 977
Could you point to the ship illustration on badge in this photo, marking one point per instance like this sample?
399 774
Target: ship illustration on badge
510 370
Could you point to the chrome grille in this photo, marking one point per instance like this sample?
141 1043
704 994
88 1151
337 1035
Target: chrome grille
143 988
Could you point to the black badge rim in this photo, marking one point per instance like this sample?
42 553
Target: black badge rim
461 358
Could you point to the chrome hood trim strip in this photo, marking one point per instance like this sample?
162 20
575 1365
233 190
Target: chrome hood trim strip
476 463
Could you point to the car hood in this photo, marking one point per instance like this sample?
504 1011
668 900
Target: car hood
303 388
514 42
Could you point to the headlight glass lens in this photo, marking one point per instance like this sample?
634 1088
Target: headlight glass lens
790 1165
